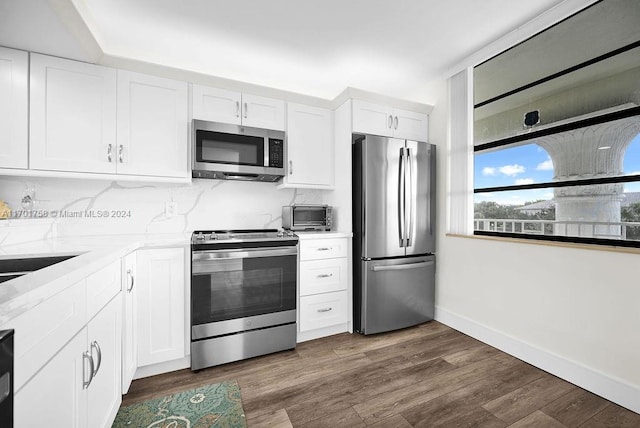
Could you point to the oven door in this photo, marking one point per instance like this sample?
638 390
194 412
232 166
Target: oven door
241 289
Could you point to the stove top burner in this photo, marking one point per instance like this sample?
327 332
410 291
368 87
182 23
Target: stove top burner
243 235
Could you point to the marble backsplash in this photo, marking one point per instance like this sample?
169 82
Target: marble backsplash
73 207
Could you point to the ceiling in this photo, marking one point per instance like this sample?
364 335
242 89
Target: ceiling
312 47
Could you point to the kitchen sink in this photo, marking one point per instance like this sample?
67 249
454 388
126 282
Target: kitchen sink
13 268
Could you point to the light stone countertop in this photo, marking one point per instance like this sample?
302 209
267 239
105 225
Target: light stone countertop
94 252
323 235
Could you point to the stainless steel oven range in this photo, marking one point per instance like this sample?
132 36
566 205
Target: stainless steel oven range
243 294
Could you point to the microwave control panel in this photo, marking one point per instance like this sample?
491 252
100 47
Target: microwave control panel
276 153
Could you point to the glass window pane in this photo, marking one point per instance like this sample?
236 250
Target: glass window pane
525 164
605 211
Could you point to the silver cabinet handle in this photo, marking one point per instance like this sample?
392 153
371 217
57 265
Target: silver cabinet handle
109 149
94 345
131 281
290 167
325 275
324 248
237 108
390 122
121 153
325 309
87 356
245 110
395 121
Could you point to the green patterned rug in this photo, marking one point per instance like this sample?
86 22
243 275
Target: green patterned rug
216 405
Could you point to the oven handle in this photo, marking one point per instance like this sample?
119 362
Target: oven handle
242 253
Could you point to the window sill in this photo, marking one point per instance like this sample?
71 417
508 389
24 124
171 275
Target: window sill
608 248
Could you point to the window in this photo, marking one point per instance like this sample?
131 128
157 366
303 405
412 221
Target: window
557 132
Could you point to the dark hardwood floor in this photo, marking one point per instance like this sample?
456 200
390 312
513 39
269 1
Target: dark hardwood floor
425 376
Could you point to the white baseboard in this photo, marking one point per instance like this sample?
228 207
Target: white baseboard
322 332
168 366
613 389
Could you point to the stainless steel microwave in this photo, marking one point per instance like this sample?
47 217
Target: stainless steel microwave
307 217
236 152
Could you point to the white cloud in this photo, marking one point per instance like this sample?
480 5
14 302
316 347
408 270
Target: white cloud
520 181
488 171
634 173
512 170
545 166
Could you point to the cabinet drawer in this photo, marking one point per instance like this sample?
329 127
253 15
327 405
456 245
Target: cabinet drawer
323 310
102 286
323 248
323 276
41 332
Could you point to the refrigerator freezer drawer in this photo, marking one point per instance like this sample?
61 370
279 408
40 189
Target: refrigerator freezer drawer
397 293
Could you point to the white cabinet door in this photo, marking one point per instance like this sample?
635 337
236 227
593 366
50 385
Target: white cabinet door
309 146
262 112
55 396
72 116
373 119
14 110
129 323
221 105
161 318
152 126
410 125
216 105
104 334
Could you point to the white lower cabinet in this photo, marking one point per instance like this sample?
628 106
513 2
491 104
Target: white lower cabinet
80 385
160 289
323 289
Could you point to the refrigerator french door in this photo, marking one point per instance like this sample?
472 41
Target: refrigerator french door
394 213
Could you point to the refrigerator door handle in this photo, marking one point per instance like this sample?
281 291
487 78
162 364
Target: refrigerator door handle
401 195
402 267
409 201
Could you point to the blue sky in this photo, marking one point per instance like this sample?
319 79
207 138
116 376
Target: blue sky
531 164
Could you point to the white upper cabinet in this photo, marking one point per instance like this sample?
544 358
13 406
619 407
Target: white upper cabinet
14 114
309 147
72 116
375 119
221 105
152 126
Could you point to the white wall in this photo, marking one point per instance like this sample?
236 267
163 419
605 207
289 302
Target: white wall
203 204
573 312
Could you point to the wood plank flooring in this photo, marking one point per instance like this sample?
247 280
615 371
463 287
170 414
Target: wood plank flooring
424 376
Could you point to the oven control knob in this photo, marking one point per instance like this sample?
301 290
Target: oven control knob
290 233
200 237
280 234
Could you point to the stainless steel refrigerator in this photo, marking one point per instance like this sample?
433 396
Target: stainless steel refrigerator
394 232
